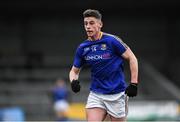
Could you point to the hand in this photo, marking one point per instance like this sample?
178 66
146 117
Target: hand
75 86
131 90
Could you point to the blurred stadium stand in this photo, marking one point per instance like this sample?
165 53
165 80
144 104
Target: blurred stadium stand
38 41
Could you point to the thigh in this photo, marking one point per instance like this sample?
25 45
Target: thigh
95 114
122 119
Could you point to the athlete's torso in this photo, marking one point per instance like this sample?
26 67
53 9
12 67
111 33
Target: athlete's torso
106 64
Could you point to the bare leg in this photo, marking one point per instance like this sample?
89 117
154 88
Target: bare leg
95 114
107 118
113 119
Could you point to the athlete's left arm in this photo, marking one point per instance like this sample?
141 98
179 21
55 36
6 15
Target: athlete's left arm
133 63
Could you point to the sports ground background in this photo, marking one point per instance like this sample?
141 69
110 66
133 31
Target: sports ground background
37 44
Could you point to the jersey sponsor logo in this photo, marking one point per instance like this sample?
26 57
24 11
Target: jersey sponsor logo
106 56
93 57
98 57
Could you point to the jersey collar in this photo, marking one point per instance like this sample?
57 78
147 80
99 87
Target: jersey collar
99 37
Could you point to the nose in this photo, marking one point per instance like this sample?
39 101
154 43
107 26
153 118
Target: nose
88 26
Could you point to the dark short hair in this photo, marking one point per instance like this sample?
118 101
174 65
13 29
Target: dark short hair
92 13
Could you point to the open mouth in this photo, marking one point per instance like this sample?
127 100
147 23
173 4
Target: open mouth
89 32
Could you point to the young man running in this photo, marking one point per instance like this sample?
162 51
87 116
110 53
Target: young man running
104 53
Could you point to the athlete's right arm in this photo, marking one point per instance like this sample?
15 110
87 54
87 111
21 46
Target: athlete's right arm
73 76
74 73
75 70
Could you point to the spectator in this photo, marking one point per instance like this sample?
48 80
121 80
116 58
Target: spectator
59 96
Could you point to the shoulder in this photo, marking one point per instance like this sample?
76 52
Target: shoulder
115 40
82 45
112 37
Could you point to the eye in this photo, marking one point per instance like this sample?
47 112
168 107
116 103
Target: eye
91 22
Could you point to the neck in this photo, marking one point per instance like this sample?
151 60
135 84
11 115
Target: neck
96 37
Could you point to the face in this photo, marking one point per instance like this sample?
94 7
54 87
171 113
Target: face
92 26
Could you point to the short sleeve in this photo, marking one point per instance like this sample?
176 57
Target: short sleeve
119 46
78 59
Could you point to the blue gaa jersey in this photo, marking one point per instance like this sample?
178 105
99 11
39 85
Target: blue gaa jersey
104 56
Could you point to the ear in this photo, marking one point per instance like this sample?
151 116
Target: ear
101 24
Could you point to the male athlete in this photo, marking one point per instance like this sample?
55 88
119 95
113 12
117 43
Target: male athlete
104 53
